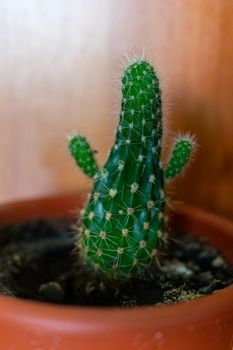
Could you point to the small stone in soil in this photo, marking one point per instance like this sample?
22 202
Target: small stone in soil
218 262
52 291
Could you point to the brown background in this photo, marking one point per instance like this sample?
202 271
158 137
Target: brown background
57 61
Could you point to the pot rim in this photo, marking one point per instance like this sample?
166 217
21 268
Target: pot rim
80 318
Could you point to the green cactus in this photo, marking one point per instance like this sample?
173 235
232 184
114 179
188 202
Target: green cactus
83 154
182 152
123 221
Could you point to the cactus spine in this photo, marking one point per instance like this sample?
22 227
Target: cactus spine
123 221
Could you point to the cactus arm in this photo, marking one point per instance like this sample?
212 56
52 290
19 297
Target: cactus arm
180 156
83 155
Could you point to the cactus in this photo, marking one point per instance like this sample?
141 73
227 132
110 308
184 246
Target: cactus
183 148
83 154
123 222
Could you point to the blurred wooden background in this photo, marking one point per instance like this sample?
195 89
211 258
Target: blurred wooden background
57 62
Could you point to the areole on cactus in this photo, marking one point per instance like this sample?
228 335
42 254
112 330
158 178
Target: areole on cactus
123 221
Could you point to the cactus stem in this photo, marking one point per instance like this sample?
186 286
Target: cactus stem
124 219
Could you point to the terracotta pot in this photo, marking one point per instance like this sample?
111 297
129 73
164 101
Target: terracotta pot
203 324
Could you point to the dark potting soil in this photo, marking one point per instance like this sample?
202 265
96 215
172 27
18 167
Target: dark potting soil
36 262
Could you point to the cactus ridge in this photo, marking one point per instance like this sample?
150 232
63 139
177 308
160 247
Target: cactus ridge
123 221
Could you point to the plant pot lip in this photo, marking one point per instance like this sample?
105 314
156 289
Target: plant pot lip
80 318
74 317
